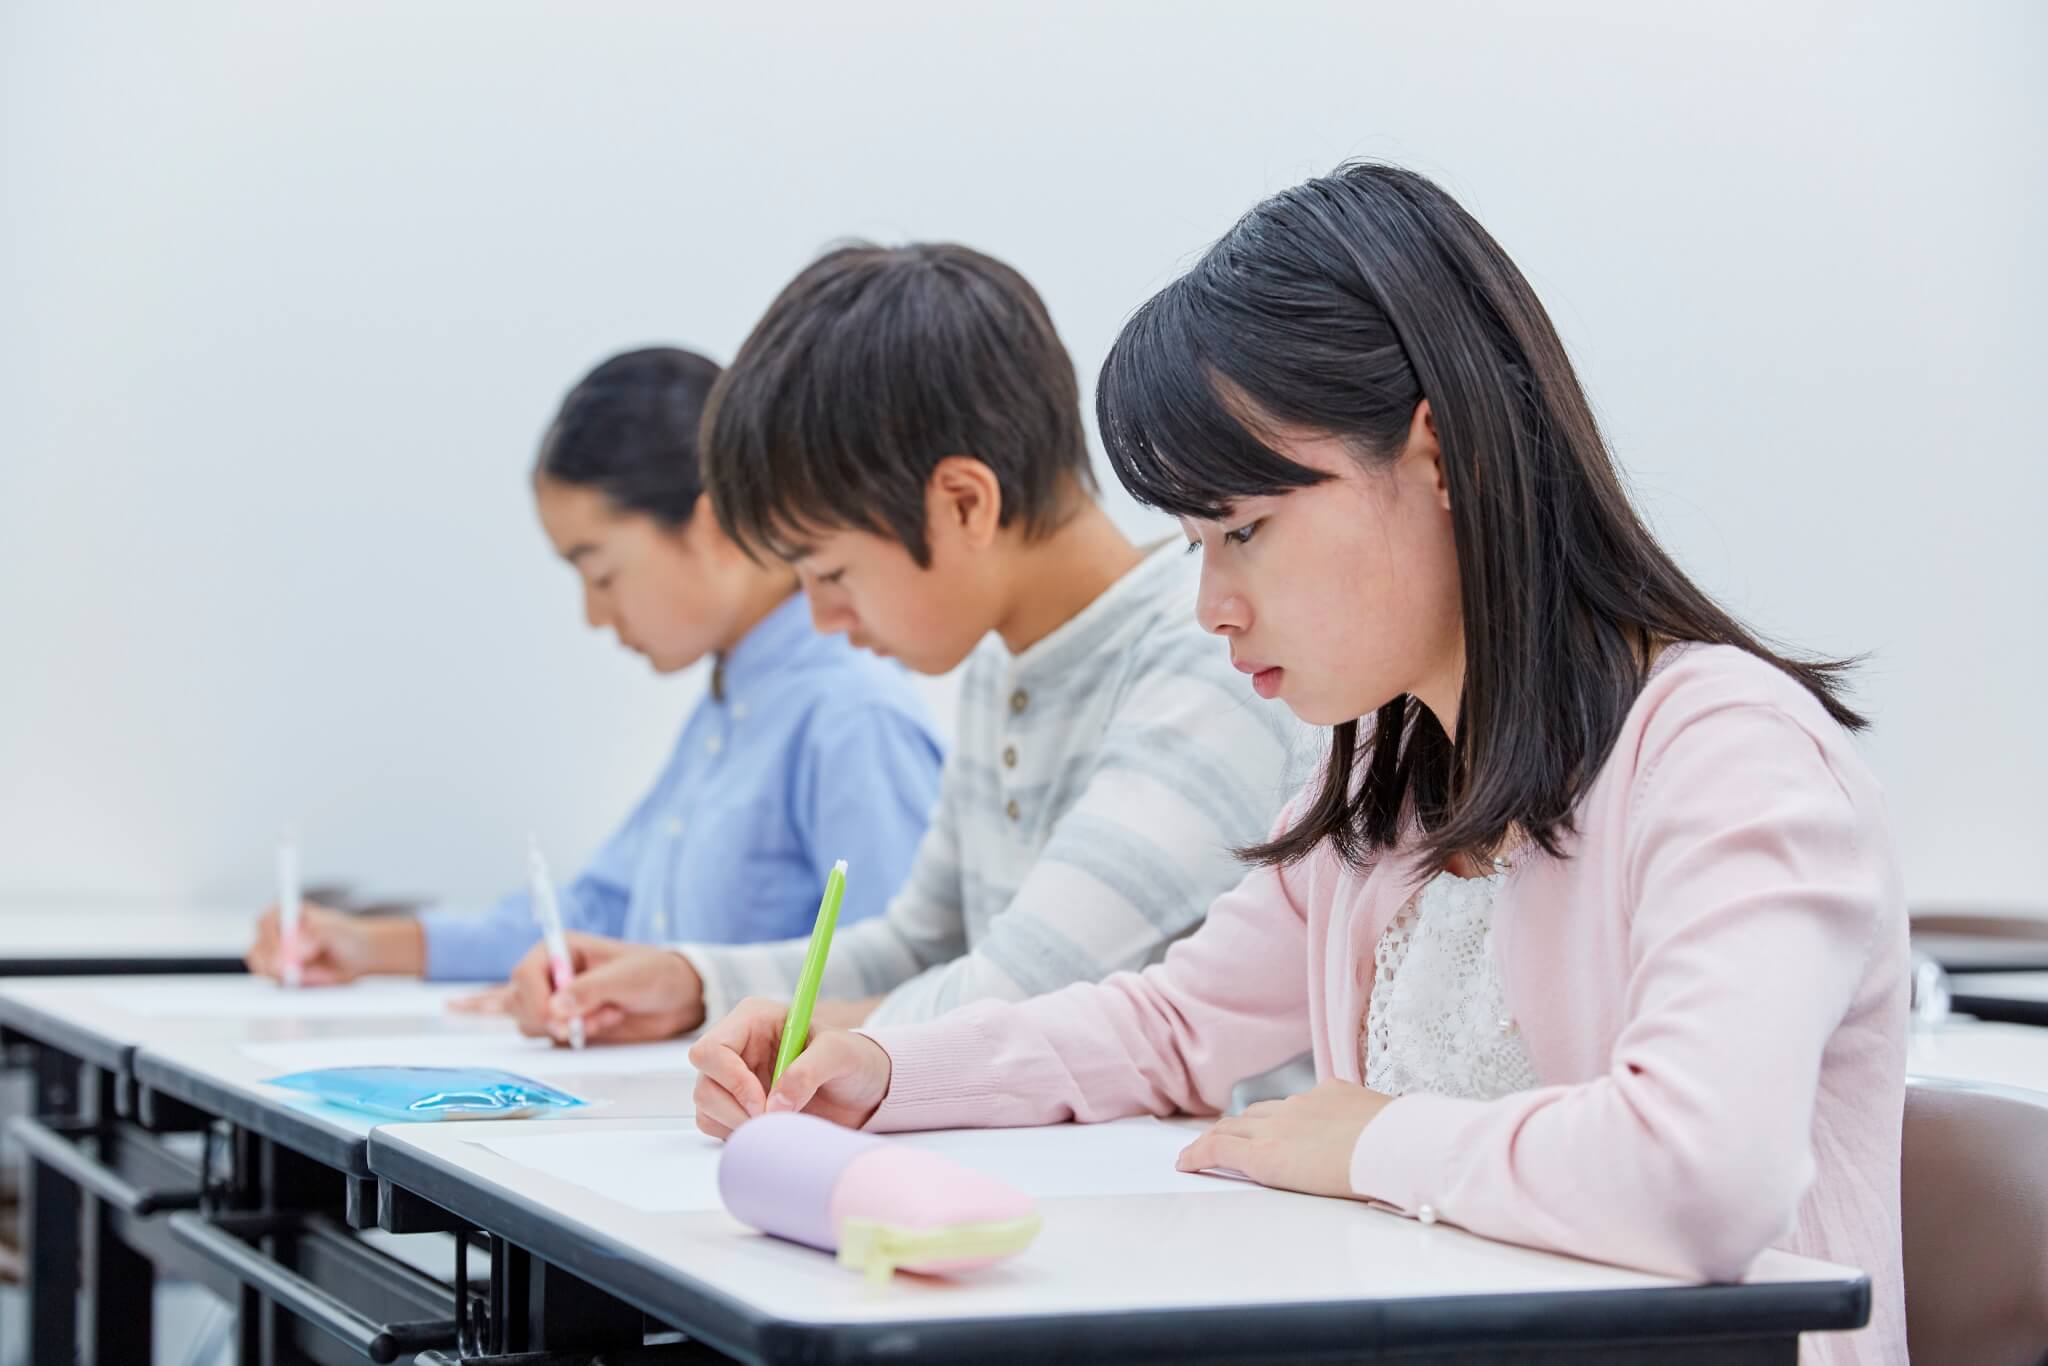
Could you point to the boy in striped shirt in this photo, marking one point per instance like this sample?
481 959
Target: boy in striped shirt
903 426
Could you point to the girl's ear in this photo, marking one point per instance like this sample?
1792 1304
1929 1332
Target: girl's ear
1424 448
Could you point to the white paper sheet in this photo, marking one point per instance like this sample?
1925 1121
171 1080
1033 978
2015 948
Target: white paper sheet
506 1049
259 998
676 1171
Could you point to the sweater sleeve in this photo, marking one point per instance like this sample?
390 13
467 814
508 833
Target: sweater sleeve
1758 887
1228 1002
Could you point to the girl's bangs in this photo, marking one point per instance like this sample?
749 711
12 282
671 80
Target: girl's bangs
1174 438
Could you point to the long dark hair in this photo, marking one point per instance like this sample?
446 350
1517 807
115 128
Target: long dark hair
629 430
1338 306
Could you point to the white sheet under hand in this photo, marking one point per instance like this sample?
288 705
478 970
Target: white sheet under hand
676 1171
504 1049
259 998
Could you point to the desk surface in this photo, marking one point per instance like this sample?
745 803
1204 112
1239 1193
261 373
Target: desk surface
158 1030
1248 1270
1980 1050
51 937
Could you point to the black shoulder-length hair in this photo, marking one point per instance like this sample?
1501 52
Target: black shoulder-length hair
1338 306
629 430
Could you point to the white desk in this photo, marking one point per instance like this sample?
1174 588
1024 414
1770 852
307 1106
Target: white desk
1263 1273
1981 1051
55 937
219 1064
173 1055
104 1020
153 1033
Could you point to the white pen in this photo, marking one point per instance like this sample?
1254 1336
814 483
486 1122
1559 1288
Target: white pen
288 908
548 912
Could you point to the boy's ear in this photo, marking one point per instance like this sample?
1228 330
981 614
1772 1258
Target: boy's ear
963 502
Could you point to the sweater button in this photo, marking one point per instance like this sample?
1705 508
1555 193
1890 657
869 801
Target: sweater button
1019 700
1009 756
1014 811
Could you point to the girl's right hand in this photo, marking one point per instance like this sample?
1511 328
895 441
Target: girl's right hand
328 951
336 947
839 1076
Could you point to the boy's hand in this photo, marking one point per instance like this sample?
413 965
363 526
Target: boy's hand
625 993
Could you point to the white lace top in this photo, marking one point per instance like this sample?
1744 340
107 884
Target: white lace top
1437 1022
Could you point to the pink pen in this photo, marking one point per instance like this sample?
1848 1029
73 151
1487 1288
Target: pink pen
290 906
548 912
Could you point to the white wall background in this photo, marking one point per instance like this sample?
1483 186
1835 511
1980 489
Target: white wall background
288 290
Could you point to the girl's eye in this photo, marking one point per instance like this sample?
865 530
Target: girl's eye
834 577
1243 534
601 584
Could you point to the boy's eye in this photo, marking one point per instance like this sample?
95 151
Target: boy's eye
1243 534
834 577
601 584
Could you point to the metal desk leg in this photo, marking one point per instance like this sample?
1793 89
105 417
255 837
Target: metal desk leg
51 1207
535 1305
120 1283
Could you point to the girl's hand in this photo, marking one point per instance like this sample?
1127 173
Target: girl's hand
839 1076
336 946
1302 1143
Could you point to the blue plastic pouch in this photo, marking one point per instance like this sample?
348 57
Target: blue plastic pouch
417 1093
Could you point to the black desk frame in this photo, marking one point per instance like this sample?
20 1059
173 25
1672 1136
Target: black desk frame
271 1229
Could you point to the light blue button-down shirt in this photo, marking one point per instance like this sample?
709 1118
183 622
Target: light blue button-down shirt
811 751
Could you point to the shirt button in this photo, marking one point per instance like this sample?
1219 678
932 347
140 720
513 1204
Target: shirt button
661 924
1427 1214
739 711
1009 756
1015 811
1019 700
713 745
675 828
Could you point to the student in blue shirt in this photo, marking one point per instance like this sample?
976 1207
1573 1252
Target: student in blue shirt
804 750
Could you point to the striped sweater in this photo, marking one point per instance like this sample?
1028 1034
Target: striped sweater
1097 784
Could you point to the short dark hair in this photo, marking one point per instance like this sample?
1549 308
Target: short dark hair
872 366
629 430
1338 306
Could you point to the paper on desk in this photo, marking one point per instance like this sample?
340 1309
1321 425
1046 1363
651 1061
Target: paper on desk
259 998
674 1171
505 1049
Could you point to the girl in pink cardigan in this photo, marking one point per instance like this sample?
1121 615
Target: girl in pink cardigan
1591 919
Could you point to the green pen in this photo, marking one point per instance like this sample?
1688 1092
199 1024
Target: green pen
796 1028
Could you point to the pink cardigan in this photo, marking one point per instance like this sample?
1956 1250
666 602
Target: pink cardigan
1712 987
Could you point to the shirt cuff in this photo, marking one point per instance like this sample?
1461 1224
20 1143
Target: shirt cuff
937 1075
715 989
468 946
1403 1159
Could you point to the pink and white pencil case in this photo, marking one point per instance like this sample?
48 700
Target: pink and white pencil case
882 1206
